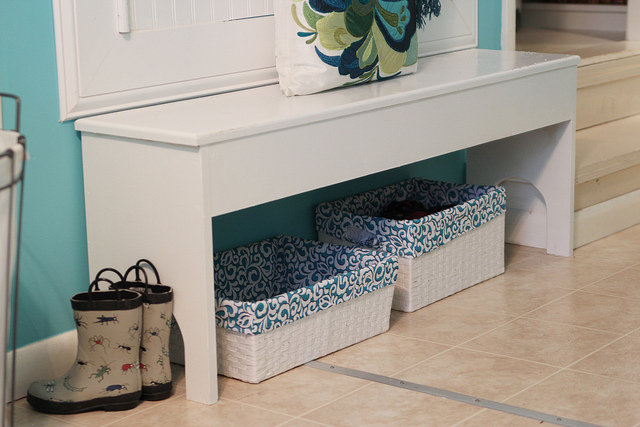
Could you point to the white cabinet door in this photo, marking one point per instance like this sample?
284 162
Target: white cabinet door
170 51
119 54
456 28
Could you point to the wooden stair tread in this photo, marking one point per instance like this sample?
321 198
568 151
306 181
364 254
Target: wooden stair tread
607 148
554 41
607 187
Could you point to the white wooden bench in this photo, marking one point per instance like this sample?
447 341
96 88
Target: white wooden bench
155 176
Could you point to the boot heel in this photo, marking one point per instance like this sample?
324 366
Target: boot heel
157 392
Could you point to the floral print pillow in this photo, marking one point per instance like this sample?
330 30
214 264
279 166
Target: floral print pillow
323 44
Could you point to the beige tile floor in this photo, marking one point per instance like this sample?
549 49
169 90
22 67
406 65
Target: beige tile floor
555 335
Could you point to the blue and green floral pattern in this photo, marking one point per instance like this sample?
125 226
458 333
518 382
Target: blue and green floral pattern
475 205
272 283
364 39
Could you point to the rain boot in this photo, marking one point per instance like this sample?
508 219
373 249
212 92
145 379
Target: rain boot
106 372
157 314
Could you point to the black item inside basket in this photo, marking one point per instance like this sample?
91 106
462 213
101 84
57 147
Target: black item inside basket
409 210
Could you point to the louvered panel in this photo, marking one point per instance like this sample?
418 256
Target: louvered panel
162 14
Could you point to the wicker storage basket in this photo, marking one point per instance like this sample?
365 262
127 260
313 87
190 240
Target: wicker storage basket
285 301
439 254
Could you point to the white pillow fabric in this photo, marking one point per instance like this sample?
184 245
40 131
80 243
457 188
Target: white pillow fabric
324 44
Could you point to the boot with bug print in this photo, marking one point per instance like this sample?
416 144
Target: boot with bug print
106 372
157 314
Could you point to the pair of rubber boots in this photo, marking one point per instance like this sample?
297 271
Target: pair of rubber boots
123 343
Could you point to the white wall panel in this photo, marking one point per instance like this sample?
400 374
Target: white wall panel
177 49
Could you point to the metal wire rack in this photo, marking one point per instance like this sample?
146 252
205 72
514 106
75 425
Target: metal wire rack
13 156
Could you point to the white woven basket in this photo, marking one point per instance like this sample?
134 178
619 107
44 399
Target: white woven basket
254 358
472 258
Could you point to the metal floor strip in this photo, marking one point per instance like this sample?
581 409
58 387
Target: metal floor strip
540 416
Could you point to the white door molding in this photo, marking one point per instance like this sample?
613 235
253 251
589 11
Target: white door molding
108 60
508 33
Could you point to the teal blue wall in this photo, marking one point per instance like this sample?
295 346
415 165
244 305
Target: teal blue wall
54 250
54 259
489 23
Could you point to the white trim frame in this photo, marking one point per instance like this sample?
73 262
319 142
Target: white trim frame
103 69
455 29
119 72
508 33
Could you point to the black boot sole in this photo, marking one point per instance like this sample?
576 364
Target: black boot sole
156 392
113 403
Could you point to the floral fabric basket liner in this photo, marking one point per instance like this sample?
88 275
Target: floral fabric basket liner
271 283
355 219
323 44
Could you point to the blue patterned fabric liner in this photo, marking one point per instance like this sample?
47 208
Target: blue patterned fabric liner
271 283
356 219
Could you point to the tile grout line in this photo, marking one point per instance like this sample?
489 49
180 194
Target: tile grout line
141 411
459 397
330 402
619 334
607 295
568 368
599 349
461 422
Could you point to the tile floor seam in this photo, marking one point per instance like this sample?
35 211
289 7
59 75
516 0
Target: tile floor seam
141 411
471 339
262 408
470 417
631 267
510 317
518 316
601 348
511 263
573 291
510 357
452 395
420 362
608 295
601 376
575 326
557 373
369 384
568 368
305 420
396 334
488 331
515 316
533 385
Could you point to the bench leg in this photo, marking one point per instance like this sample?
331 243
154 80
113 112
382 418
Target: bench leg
546 159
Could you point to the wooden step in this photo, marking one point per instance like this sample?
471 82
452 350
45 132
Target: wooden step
608 74
603 219
608 83
607 192
605 188
608 148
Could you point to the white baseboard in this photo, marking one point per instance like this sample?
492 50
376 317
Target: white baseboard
46 359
